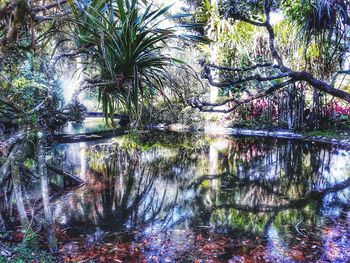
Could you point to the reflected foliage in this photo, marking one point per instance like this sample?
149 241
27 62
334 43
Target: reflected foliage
264 192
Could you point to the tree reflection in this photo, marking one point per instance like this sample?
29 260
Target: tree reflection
274 189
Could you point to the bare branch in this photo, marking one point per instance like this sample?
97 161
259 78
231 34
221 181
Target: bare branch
320 85
49 6
39 19
285 71
195 103
264 65
70 54
207 74
274 53
237 16
10 104
41 105
6 145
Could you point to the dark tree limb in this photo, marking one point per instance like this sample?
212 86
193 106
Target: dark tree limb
320 85
207 74
76 179
262 65
5 146
295 76
39 19
48 6
10 104
237 16
203 106
41 106
70 54
268 26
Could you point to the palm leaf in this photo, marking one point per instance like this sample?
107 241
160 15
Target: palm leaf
125 46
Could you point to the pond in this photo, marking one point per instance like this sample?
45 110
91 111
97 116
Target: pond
187 197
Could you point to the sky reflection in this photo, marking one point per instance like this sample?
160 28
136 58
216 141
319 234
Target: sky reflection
278 194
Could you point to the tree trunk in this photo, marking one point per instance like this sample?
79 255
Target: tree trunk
316 105
49 223
16 158
17 188
290 111
5 170
2 224
29 235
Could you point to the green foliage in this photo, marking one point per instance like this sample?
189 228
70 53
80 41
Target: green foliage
23 83
23 254
205 11
321 31
329 134
29 163
27 250
126 44
315 18
178 113
236 43
243 222
253 9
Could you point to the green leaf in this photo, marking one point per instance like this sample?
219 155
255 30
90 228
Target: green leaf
178 61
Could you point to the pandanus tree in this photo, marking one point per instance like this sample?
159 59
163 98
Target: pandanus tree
126 46
123 46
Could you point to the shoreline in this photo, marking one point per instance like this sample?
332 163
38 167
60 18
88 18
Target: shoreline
216 130
283 134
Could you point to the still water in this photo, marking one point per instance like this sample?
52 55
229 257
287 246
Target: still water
171 197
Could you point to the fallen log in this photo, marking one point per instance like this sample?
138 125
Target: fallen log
85 137
120 117
5 146
76 179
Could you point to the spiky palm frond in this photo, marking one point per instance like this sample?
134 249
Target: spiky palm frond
126 46
318 20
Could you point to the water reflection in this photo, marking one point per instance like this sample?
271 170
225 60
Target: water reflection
194 197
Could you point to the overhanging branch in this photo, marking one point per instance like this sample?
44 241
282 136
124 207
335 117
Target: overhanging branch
207 74
262 65
48 6
10 104
294 76
210 107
